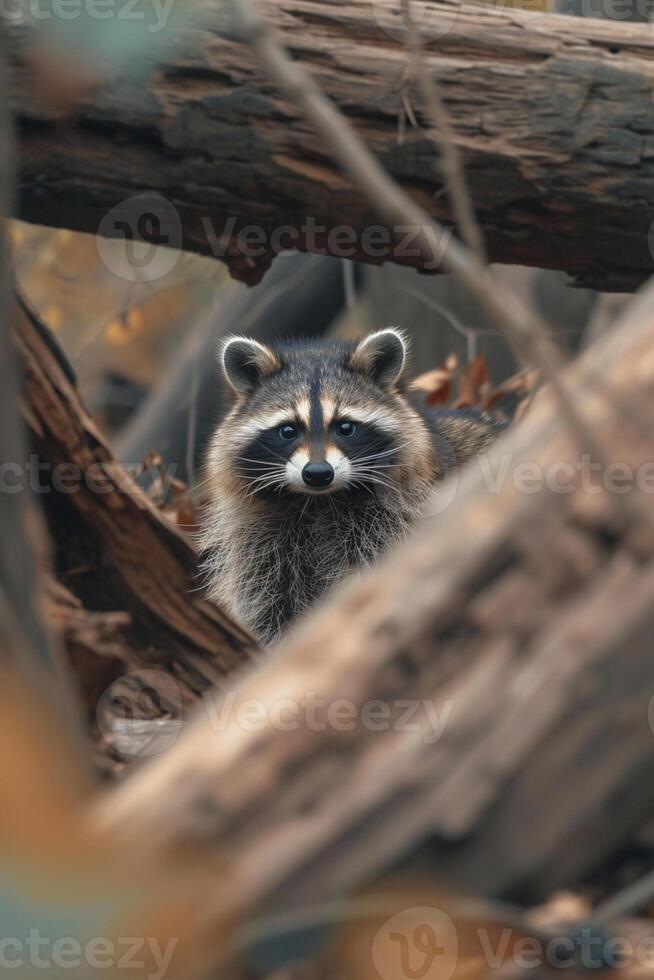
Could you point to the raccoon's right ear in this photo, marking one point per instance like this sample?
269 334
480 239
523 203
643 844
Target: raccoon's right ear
246 362
381 356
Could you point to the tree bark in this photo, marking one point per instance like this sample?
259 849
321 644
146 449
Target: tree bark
522 616
552 114
128 597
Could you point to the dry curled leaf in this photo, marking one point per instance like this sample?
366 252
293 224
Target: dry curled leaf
437 383
474 388
474 383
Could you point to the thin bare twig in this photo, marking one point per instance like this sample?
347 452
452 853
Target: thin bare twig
349 286
210 317
442 133
451 164
470 333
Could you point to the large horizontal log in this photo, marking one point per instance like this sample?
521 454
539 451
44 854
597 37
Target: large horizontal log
553 115
516 625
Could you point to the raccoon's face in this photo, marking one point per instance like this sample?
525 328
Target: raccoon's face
316 418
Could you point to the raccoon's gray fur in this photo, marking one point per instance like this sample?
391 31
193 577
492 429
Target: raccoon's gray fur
323 463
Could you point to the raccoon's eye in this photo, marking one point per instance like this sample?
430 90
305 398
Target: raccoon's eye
288 431
346 428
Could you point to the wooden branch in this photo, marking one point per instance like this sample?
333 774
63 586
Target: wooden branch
552 116
129 596
518 626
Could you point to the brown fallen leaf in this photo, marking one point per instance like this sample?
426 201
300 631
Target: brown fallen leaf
437 383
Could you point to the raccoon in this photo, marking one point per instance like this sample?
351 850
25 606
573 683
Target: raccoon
323 463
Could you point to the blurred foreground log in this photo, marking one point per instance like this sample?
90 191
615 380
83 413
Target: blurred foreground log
128 596
552 114
486 689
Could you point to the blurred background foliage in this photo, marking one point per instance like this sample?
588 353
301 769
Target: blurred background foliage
120 342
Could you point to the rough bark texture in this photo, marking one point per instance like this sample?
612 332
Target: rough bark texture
128 594
529 614
553 114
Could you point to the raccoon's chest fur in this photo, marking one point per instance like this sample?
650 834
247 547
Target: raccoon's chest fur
270 570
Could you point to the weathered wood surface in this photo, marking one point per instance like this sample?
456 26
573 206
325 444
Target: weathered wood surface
521 616
553 114
129 596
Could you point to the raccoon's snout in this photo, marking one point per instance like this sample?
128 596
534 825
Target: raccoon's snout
318 476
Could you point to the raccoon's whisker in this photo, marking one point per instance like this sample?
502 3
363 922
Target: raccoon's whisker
276 481
371 478
372 456
374 478
361 486
333 510
271 482
257 462
366 468
203 483
278 455
262 481
306 504
386 452
256 490
264 475
250 478
270 478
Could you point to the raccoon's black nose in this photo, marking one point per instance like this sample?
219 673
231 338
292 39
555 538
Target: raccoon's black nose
318 475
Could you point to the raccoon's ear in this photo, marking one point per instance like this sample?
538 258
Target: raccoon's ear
381 356
246 362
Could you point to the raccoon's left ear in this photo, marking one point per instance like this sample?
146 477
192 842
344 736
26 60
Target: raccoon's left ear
381 356
246 362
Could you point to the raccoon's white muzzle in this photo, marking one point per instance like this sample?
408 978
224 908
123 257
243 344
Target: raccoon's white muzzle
299 478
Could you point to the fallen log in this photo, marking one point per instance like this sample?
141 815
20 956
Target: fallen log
515 624
552 114
128 597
